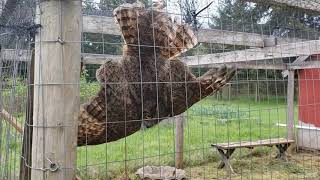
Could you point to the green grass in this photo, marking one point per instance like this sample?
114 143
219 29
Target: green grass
207 122
13 100
10 149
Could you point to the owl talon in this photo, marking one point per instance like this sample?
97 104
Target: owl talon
219 79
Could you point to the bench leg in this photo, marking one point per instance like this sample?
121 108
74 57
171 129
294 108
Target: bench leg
282 151
225 159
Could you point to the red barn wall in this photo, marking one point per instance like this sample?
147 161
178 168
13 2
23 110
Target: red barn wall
309 95
309 108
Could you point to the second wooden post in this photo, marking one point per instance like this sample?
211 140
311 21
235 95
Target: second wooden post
56 89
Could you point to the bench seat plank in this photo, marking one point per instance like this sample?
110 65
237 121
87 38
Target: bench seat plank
251 144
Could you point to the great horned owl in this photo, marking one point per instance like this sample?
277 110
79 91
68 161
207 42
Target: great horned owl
150 83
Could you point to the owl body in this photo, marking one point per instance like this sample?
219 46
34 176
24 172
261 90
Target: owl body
129 96
150 83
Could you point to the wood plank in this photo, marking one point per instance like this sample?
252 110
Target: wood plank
243 59
276 52
88 58
268 64
306 65
217 36
250 144
273 41
100 24
227 154
226 162
15 55
312 5
101 59
302 63
56 90
107 25
300 59
179 141
11 120
230 37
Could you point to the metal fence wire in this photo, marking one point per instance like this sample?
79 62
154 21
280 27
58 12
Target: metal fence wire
163 89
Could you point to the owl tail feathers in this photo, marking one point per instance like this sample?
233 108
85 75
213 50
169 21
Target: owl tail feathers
215 79
90 131
84 117
91 121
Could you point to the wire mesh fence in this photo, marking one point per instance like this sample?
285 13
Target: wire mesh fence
14 69
154 93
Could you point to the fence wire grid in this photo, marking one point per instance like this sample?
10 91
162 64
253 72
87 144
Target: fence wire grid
159 115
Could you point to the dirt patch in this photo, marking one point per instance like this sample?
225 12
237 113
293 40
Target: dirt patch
259 163
305 165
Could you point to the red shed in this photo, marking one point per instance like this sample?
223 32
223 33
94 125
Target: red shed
309 107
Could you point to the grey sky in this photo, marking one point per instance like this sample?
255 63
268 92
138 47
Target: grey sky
174 9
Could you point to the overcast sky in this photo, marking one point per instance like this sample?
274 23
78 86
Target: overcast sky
173 6
174 9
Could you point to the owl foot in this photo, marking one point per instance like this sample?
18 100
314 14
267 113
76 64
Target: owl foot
215 79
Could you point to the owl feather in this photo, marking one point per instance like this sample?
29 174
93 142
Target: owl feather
150 83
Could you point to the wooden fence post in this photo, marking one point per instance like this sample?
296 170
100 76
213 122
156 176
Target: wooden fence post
56 90
179 141
290 110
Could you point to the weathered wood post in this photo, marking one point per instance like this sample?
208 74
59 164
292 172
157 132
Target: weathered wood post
179 141
290 110
56 90
256 98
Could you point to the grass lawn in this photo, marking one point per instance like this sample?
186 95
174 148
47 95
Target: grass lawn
207 122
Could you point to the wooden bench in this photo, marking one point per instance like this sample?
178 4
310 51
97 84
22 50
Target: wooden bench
226 149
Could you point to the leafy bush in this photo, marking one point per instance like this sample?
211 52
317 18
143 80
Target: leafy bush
220 112
87 89
15 87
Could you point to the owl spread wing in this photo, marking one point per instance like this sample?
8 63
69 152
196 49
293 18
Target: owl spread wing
153 27
112 113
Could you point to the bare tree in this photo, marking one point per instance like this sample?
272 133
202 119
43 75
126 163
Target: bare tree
190 11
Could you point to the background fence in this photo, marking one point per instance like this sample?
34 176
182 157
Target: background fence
274 46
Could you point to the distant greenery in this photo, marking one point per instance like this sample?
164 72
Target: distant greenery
87 88
14 87
15 91
263 18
